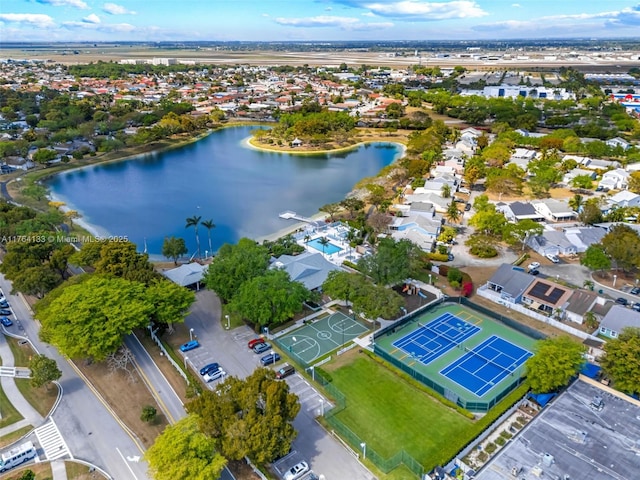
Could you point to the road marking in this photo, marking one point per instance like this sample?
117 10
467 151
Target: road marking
51 441
126 463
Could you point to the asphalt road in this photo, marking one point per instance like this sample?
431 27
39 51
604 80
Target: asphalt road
324 453
90 431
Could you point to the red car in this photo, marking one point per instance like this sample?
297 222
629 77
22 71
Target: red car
252 343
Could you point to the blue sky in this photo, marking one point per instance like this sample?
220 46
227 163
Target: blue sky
287 20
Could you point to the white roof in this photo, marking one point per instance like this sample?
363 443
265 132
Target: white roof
185 275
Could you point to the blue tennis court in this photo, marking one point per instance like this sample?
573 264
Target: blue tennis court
437 337
482 368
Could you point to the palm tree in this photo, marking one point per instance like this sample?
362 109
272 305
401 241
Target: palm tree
588 284
193 222
446 190
209 225
590 319
576 203
307 238
324 241
453 214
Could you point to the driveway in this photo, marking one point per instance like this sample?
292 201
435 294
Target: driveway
325 455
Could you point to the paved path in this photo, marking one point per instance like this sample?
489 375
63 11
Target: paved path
59 470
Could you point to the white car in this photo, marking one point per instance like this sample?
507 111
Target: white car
533 265
210 377
295 472
464 191
553 258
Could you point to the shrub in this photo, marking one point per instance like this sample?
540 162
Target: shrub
454 275
349 264
490 448
506 434
501 441
482 456
321 372
439 257
483 251
148 414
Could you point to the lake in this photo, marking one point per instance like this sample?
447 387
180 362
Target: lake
218 178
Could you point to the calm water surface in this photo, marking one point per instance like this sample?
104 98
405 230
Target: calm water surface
242 190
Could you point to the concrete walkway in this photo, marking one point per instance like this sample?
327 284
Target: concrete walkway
30 415
59 470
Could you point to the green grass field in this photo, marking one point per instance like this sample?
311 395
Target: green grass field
391 414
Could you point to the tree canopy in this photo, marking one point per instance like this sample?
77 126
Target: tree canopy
392 262
620 361
251 417
594 258
555 362
622 245
269 299
174 248
183 452
234 265
44 370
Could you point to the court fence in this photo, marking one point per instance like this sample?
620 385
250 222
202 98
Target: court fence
474 406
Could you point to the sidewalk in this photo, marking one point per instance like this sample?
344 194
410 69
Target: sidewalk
29 414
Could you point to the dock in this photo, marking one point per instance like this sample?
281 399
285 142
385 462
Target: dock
290 215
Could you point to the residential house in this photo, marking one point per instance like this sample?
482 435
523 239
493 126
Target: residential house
421 228
622 199
617 179
551 242
578 172
583 237
554 210
598 164
309 268
618 142
617 319
580 302
516 211
510 282
186 275
546 296
440 204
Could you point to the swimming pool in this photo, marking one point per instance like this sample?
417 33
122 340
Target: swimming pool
329 248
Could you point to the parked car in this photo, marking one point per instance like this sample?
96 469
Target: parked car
253 342
261 347
464 191
269 359
467 207
285 371
533 266
553 258
5 312
636 306
297 471
211 367
4 305
635 291
622 301
189 346
534 272
6 321
210 377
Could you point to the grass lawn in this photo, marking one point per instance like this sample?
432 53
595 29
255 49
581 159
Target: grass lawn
9 438
9 413
42 471
390 414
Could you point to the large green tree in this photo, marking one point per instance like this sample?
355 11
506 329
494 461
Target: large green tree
44 370
170 301
183 452
174 248
269 299
514 233
621 361
594 258
89 319
251 417
235 265
622 245
122 259
392 262
554 363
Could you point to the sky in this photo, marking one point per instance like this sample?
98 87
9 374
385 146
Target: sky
314 20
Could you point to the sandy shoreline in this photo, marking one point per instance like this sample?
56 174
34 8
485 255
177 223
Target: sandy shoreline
250 144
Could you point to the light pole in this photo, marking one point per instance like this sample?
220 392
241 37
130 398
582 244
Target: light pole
291 349
185 362
364 450
227 317
321 407
191 334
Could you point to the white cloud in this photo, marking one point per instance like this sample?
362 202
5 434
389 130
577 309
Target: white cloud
93 18
65 3
266 15
38 20
100 27
420 10
319 21
368 14
115 9
516 5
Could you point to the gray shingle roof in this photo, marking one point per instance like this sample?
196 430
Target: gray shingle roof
620 317
512 280
310 269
